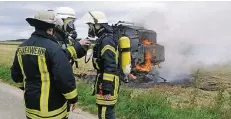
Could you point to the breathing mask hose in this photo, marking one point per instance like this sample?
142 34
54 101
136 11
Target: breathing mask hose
86 48
87 60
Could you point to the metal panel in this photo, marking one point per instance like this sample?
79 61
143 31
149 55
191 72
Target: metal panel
160 55
147 35
141 54
133 36
134 60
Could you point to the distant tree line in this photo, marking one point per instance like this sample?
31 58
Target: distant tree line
17 40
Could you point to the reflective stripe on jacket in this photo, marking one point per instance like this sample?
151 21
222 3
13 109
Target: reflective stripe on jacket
43 70
105 61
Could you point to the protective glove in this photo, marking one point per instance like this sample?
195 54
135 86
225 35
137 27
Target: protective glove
84 42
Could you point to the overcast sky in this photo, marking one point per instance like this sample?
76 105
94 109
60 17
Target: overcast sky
193 33
165 14
13 14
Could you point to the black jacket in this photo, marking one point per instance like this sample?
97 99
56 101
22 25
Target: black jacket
41 67
105 61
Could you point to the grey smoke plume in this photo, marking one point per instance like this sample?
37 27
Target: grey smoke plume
195 35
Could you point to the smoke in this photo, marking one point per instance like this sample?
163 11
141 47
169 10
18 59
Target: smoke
195 35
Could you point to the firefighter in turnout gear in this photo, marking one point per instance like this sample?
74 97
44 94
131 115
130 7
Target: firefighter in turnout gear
42 70
66 35
105 61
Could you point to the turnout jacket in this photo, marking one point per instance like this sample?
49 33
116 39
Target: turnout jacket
105 61
42 69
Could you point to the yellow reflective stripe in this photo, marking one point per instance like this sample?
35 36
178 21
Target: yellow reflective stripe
68 113
60 116
116 86
117 55
106 102
100 97
71 94
21 66
47 114
109 77
103 114
70 42
45 79
71 49
107 47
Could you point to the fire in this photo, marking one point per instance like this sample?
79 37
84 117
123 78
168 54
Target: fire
146 42
147 63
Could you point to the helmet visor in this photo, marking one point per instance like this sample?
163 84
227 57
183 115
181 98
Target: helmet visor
70 26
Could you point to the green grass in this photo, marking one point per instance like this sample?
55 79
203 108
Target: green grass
86 100
146 105
5 75
135 104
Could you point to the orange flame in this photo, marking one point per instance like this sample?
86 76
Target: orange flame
147 63
146 42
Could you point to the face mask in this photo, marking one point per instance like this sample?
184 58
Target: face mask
91 31
69 25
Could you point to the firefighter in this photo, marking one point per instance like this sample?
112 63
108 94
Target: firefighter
42 70
65 33
105 61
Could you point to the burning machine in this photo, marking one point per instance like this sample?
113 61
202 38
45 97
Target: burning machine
145 52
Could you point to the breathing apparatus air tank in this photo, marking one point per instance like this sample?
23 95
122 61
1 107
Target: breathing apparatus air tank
125 56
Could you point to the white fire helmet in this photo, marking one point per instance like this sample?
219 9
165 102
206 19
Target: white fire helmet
65 12
95 17
47 17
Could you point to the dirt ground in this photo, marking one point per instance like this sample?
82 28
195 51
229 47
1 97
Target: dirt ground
11 105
